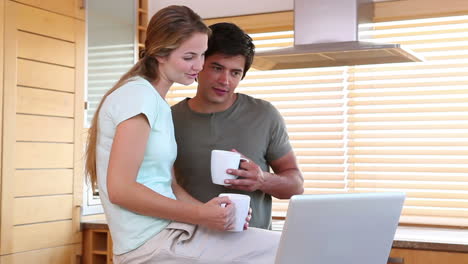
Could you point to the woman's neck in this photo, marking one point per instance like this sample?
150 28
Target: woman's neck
162 87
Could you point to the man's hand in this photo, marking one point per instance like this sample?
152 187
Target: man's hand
285 182
252 175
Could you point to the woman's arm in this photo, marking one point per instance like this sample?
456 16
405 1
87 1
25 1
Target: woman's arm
126 156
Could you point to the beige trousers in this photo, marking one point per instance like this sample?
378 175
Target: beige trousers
182 243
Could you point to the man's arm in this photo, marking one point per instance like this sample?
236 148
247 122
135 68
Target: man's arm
285 182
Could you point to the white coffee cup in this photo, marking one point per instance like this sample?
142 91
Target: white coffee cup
222 160
242 205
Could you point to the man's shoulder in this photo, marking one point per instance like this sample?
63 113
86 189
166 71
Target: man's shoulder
179 106
250 101
259 106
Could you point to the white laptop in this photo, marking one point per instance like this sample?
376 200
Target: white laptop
353 228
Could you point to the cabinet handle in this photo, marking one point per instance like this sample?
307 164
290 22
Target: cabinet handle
396 260
83 4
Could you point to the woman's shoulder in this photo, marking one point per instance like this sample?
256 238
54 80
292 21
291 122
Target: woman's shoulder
137 86
132 98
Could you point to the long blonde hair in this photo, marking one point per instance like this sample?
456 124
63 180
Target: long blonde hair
166 31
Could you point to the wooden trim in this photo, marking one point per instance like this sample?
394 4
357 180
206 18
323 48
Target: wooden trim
80 9
9 117
78 128
268 22
2 22
428 256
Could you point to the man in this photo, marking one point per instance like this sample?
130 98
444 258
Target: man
218 118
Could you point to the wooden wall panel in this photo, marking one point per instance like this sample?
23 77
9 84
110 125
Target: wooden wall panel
408 9
62 7
384 11
43 182
47 76
43 22
75 8
30 210
46 256
278 21
44 49
52 129
42 235
30 155
44 102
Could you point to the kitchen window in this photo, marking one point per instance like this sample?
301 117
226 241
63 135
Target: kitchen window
377 128
112 51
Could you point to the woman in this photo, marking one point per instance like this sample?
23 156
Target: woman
131 150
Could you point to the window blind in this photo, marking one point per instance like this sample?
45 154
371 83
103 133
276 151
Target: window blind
408 123
312 102
106 64
377 128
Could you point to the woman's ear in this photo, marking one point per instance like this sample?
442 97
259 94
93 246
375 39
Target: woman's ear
161 59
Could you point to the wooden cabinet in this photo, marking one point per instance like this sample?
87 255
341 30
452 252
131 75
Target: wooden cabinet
142 22
42 86
98 250
97 246
413 256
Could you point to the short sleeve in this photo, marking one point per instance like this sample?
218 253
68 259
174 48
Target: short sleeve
132 99
279 144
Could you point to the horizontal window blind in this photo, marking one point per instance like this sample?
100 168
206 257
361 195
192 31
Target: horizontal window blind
106 64
408 123
378 128
312 102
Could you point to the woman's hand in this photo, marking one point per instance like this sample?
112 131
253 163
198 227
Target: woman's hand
247 219
217 214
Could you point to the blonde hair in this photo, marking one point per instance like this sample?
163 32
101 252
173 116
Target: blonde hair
166 31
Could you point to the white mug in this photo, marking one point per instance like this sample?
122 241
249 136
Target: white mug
222 160
242 204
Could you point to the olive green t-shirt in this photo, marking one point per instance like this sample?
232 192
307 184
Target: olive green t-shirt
251 126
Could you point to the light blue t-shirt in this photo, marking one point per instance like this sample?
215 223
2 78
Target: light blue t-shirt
130 230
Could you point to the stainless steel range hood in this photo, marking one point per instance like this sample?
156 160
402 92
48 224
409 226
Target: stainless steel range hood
326 33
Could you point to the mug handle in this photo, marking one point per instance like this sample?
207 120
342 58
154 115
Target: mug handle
242 159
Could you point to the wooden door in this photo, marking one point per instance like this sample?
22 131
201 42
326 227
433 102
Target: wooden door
42 125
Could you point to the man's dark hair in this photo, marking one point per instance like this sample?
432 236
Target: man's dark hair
229 39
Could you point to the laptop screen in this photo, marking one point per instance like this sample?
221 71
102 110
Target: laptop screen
340 228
